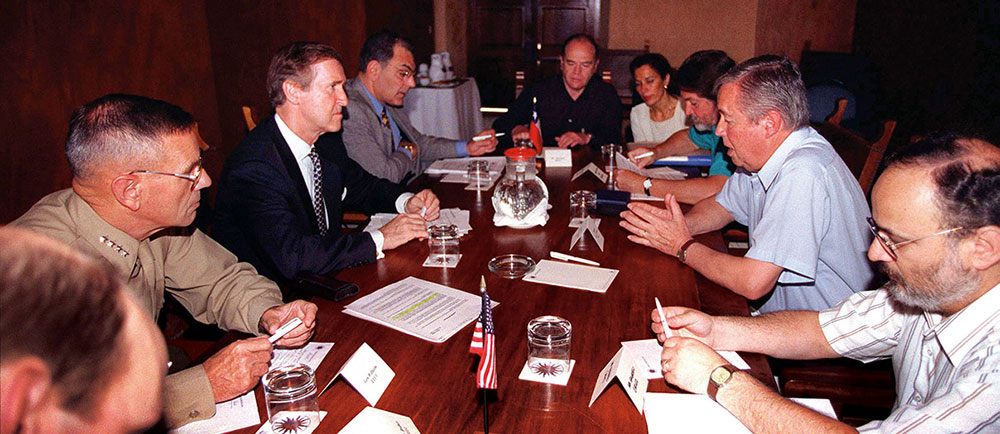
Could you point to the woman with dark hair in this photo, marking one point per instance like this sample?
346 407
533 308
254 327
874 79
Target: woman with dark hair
660 113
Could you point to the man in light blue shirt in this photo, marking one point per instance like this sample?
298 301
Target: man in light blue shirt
804 208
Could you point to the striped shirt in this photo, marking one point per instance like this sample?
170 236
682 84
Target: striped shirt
947 368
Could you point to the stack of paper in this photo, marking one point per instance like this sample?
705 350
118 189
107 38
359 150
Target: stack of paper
420 308
574 276
448 216
461 165
655 173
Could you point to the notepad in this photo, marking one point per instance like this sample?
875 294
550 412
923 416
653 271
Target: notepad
574 276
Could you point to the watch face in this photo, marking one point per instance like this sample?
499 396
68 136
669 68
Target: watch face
721 375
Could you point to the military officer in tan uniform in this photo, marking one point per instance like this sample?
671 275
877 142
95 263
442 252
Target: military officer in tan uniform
136 174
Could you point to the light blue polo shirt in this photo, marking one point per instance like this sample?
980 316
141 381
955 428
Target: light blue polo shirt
721 164
806 213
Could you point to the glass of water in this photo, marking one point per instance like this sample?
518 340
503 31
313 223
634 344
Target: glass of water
290 392
549 340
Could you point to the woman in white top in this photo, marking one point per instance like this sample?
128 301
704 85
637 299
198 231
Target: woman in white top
660 114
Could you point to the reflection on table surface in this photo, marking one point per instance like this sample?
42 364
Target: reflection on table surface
435 383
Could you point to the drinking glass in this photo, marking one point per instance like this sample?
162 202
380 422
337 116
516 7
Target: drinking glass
290 392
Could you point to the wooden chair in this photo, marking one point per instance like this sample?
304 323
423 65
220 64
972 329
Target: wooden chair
861 156
248 117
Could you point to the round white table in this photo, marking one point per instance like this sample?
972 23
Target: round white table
449 112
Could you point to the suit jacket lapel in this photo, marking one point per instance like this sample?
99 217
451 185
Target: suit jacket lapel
292 167
385 139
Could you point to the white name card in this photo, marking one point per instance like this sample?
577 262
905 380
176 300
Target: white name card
374 421
632 376
558 157
367 373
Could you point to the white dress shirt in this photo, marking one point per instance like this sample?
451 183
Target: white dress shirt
300 150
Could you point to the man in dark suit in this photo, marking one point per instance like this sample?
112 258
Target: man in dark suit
284 188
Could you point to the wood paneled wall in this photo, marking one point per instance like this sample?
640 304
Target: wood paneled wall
62 53
245 34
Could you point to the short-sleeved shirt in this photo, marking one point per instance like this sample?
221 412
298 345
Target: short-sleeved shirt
721 164
947 368
806 214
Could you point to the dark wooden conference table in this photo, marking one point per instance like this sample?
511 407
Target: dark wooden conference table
435 384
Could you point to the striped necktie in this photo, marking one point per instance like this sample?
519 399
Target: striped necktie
318 206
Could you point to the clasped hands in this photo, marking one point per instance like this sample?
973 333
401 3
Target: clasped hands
662 229
568 139
238 367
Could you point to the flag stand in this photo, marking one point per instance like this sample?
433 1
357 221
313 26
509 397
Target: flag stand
486 413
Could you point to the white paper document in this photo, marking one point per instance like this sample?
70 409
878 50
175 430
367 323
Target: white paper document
461 165
625 368
648 352
576 276
374 421
448 216
366 372
239 412
655 173
310 355
420 308
682 412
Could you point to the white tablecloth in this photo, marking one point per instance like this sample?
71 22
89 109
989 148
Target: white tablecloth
451 113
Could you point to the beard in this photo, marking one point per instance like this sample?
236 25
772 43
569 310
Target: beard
934 289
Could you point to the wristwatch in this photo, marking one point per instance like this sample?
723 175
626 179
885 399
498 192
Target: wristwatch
719 377
682 252
646 185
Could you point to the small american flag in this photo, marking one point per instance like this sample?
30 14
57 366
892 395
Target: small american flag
484 345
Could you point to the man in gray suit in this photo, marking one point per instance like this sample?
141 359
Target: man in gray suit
377 134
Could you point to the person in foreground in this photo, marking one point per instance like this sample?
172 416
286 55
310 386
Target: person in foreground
377 132
93 362
286 185
804 209
137 181
574 108
696 81
937 219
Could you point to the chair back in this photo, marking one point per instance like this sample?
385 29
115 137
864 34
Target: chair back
861 156
248 117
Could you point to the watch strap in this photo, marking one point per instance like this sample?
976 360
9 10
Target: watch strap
682 252
713 386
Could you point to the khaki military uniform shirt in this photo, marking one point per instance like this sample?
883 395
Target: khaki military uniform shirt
205 277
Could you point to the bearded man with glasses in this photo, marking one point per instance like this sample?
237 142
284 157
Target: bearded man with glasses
936 220
137 172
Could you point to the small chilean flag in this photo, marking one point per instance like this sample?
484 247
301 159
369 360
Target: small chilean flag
535 129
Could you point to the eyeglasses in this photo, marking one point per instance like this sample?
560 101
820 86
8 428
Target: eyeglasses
194 177
891 247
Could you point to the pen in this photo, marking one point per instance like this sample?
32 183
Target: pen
566 257
486 136
663 318
283 330
643 155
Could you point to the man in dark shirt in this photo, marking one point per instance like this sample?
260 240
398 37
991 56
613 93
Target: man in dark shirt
574 108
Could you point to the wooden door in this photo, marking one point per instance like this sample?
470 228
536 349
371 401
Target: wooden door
523 35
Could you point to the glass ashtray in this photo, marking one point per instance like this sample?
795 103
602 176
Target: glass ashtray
511 266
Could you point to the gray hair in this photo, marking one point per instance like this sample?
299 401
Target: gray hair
293 62
122 129
769 82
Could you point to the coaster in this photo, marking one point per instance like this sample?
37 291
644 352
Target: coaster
547 371
450 261
576 222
